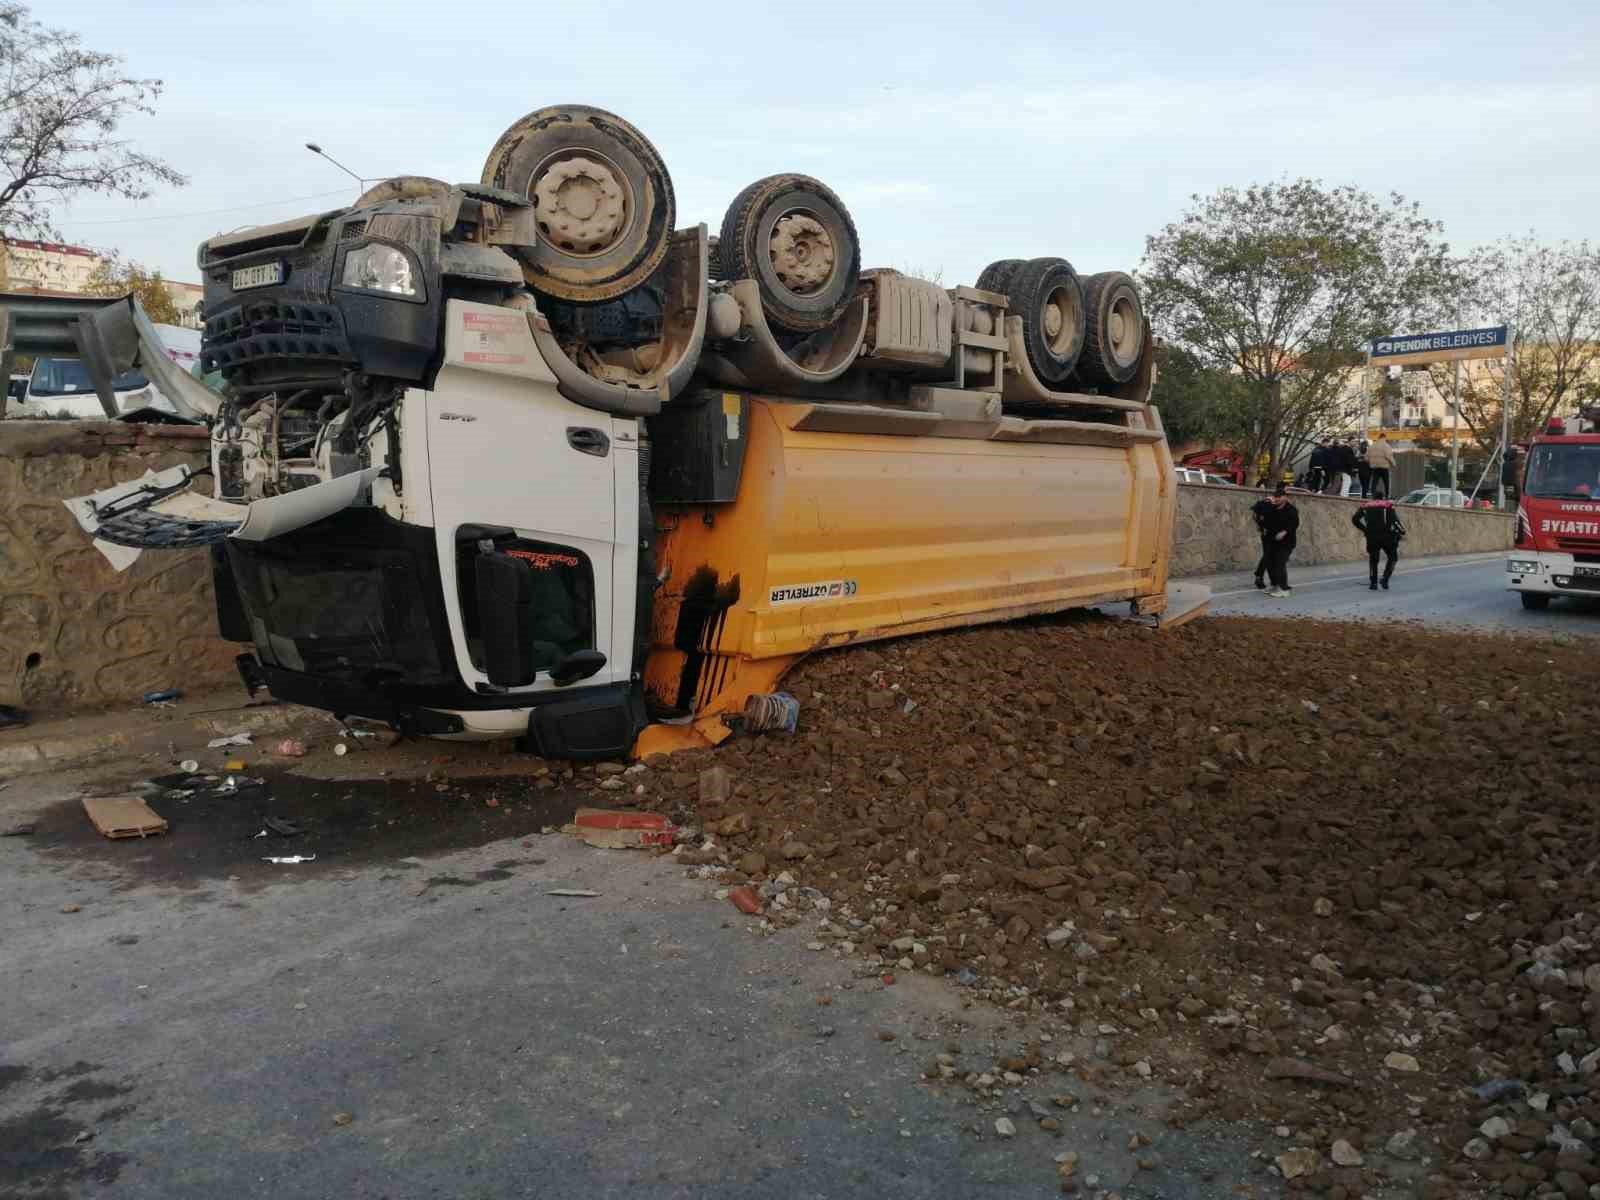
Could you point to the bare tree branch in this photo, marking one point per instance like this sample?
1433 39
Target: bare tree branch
60 106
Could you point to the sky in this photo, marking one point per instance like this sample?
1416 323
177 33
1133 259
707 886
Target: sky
954 133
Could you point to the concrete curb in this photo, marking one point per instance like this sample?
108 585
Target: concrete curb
58 745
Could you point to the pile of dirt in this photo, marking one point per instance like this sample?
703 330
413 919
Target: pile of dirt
1324 876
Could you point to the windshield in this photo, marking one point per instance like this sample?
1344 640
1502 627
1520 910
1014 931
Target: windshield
67 377
1571 472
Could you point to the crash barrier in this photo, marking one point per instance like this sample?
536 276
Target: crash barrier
1215 532
74 633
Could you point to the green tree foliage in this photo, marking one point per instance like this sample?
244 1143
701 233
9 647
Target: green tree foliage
1284 284
1197 402
60 106
113 277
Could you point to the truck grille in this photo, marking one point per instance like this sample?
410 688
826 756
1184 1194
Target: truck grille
274 329
1584 545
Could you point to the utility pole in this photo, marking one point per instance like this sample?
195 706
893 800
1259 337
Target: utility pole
1505 412
1455 430
1455 424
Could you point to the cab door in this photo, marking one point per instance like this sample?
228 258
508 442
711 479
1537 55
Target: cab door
515 468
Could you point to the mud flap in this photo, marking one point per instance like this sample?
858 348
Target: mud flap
158 512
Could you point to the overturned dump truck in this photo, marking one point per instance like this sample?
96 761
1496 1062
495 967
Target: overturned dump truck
522 458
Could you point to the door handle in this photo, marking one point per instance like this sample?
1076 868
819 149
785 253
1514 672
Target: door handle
587 440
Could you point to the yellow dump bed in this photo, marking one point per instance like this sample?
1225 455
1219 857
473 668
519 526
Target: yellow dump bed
854 523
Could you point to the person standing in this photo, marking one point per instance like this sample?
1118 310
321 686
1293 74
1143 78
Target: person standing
1259 511
1380 457
1341 465
1363 469
1381 525
1317 476
1279 526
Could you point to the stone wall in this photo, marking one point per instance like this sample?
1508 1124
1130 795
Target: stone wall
74 633
1215 532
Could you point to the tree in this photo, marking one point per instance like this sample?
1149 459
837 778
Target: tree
60 106
113 277
1550 294
1284 284
1197 402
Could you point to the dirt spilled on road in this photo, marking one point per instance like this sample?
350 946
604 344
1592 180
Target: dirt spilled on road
1327 876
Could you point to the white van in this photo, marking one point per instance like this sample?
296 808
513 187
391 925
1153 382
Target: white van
61 386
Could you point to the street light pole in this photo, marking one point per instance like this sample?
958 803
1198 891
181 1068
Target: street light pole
321 153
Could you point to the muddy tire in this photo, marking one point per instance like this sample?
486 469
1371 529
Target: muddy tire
1046 294
996 277
602 196
1114 341
794 237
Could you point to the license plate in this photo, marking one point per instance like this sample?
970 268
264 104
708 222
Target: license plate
1581 570
260 275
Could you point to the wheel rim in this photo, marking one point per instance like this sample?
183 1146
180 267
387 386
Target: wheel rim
801 252
1062 317
1123 330
583 201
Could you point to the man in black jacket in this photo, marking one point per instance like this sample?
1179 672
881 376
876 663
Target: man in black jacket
1381 524
1317 474
1259 511
1281 522
1341 465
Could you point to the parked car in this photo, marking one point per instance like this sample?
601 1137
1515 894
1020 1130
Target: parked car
1436 497
1220 481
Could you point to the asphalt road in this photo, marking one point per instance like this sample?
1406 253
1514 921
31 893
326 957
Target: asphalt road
1463 593
197 1021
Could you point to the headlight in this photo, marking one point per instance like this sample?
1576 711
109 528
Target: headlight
376 268
1519 566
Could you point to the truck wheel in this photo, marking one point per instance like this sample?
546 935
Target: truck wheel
1537 601
602 196
1046 294
792 235
996 277
1114 341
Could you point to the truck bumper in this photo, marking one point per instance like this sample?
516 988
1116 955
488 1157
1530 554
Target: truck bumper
1549 573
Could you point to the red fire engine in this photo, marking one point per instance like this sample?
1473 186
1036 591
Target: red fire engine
1557 549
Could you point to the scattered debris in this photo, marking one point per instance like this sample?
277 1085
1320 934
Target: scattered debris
1294 1068
283 828
161 697
71 908
341 749
290 859
772 712
22 830
1344 1154
123 816
1396 1061
1005 1127
1301 1161
189 766
343 1118
235 739
622 829
746 900
290 748
581 893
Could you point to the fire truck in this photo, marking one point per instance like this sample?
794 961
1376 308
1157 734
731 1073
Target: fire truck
1557 550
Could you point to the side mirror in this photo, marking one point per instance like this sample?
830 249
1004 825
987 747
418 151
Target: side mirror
505 612
580 664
